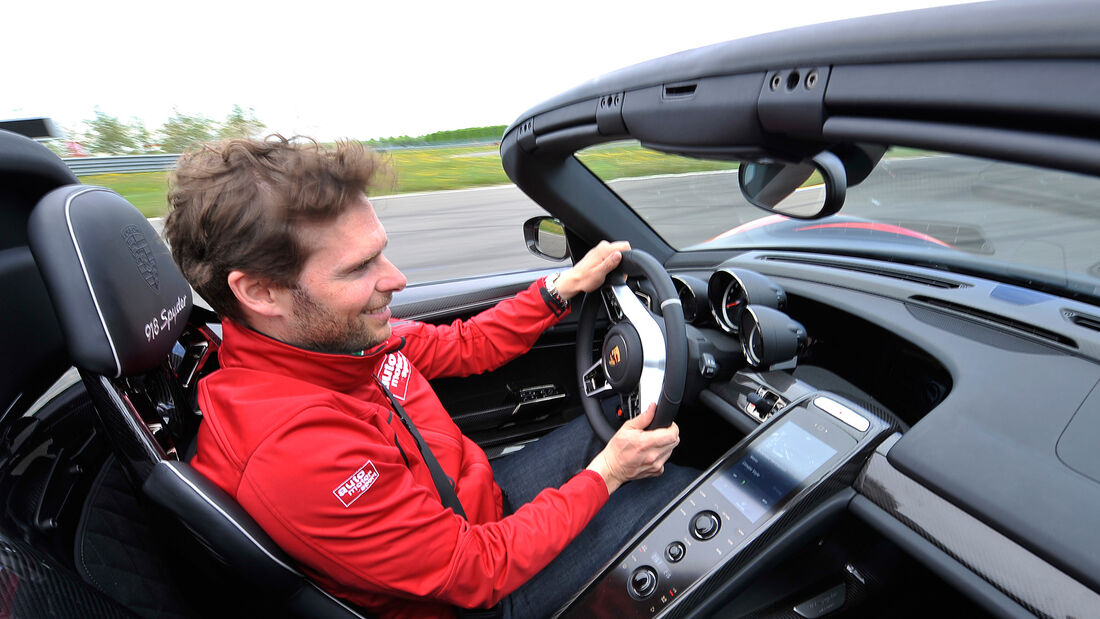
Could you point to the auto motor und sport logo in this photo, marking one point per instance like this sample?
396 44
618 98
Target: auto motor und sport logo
394 373
353 487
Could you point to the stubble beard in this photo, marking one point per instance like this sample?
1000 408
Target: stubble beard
320 329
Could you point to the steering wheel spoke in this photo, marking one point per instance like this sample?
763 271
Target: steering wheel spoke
595 381
611 305
631 404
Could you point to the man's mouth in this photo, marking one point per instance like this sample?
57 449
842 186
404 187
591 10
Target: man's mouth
380 309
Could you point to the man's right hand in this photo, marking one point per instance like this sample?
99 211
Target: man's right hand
634 452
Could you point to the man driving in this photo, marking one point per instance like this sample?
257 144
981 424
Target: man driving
321 421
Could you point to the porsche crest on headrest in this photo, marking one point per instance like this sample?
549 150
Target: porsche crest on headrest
143 257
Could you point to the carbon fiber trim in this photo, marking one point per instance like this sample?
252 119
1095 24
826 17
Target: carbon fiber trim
32 585
1024 577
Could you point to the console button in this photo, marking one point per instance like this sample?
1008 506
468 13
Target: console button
705 525
643 582
674 552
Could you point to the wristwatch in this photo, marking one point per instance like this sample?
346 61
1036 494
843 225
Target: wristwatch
553 297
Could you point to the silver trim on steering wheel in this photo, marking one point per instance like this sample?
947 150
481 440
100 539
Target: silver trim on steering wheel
653 345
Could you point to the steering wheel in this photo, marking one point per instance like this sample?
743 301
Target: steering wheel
644 355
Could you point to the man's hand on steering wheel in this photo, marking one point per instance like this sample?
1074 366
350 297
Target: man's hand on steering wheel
644 355
634 452
590 272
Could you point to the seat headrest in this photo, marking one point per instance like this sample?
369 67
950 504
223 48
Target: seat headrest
119 297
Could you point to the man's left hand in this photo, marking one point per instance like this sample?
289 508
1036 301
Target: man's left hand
591 271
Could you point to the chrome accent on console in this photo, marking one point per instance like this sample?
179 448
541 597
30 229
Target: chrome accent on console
822 604
843 413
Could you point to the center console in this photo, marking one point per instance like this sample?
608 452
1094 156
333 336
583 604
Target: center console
757 491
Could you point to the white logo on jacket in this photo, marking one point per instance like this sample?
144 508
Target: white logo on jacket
359 482
394 374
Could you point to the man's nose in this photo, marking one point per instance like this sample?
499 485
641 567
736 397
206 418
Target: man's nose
392 278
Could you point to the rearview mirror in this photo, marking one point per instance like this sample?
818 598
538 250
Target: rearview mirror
545 237
810 189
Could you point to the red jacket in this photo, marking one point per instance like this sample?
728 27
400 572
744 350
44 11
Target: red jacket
307 444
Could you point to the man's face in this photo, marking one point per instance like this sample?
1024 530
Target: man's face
341 302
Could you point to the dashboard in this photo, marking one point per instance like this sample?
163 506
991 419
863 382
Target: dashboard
992 390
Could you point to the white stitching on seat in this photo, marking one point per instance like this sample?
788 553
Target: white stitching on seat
240 528
87 279
221 511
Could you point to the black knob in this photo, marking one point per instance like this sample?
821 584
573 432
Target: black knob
674 552
643 582
705 525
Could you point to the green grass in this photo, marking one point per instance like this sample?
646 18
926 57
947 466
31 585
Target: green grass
438 169
620 160
145 190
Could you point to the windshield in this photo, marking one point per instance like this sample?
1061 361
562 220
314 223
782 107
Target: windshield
1030 226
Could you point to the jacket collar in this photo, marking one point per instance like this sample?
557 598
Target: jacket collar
244 348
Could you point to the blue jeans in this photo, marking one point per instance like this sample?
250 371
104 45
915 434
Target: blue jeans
550 462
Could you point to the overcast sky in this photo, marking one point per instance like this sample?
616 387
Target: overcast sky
355 69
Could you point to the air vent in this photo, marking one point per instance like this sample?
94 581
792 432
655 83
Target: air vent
926 280
996 319
1082 320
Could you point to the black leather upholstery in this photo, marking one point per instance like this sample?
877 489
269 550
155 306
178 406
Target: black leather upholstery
28 171
231 535
120 299
123 304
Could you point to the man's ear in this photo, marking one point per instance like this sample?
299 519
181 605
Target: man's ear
257 295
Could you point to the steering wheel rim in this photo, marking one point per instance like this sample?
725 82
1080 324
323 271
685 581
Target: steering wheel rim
650 364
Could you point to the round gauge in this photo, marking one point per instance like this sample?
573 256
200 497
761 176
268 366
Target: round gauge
752 344
688 300
730 290
732 303
768 336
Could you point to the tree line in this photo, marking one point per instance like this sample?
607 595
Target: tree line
453 136
109 135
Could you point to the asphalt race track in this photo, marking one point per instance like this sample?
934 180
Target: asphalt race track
451 234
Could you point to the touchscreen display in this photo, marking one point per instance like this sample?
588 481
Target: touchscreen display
771 469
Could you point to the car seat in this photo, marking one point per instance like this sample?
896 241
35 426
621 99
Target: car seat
131 330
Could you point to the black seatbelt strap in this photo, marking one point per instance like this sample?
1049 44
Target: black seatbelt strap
442 483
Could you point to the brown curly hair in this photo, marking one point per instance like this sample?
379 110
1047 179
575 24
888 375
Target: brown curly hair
236 205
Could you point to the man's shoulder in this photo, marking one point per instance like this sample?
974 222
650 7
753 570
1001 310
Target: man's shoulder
244 409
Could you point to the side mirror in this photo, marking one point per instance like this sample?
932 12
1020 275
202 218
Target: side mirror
545 237
810 189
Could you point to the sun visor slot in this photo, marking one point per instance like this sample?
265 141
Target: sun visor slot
679 91
609 115
792 101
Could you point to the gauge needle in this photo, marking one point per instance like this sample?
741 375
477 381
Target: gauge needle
734 304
